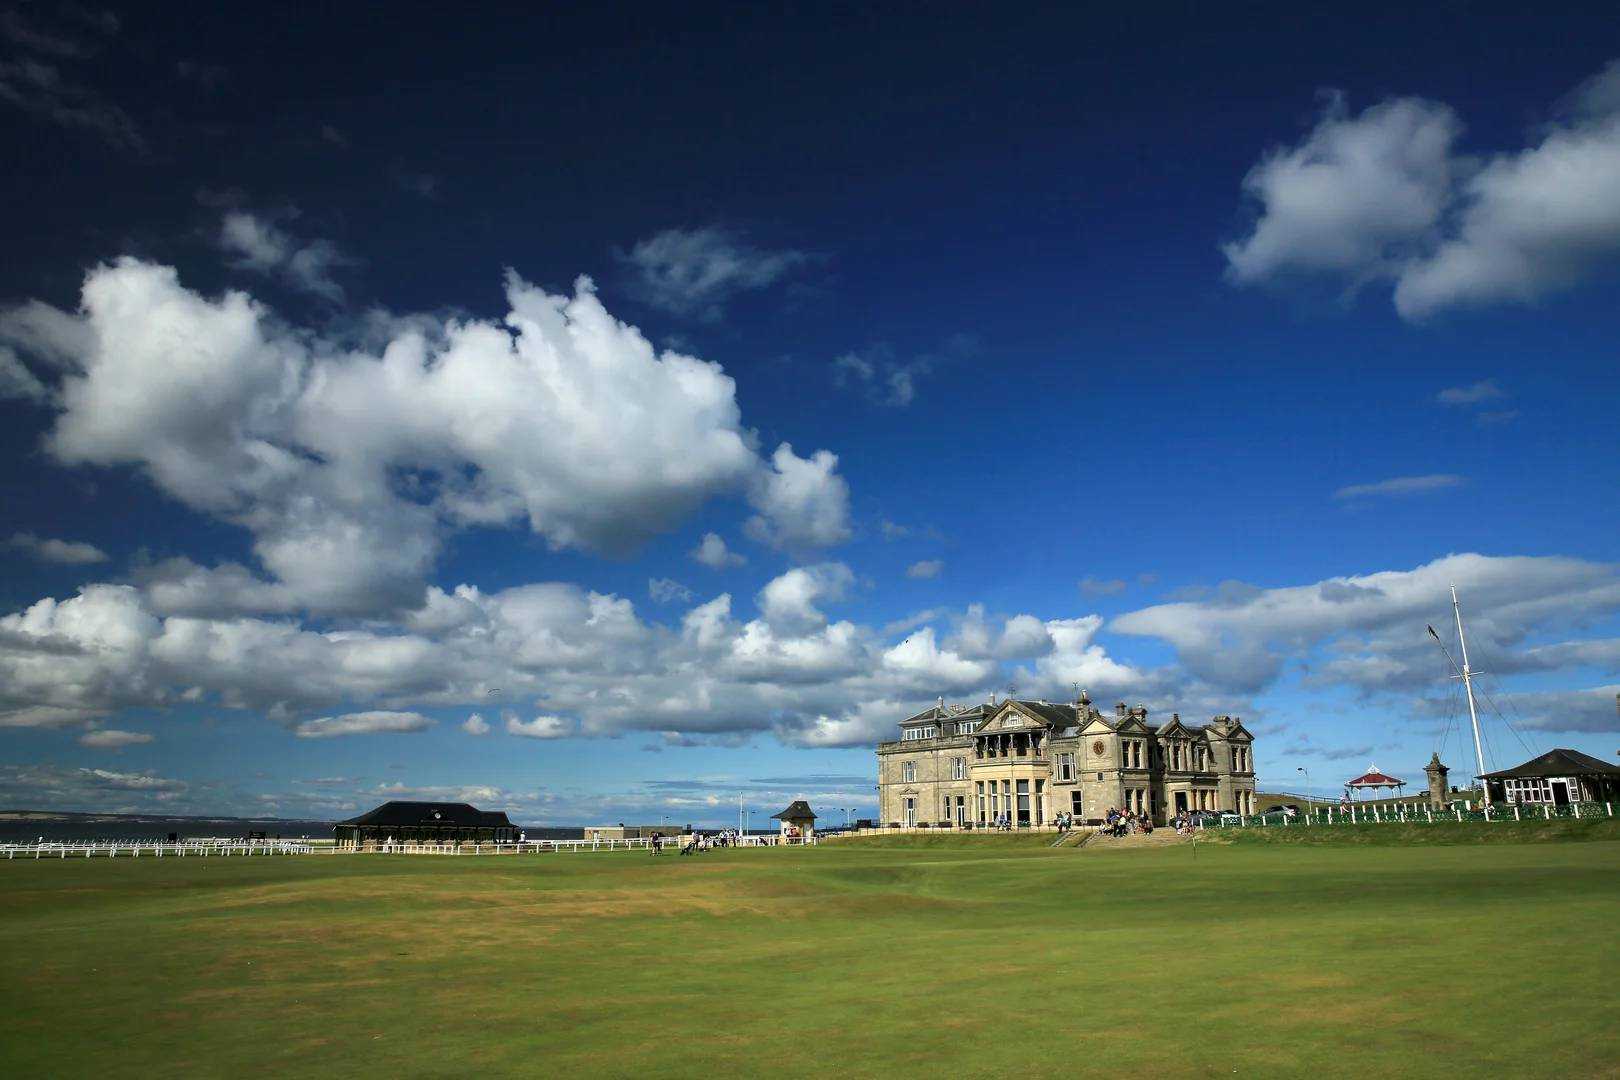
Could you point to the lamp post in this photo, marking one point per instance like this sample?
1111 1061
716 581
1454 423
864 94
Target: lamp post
1311 807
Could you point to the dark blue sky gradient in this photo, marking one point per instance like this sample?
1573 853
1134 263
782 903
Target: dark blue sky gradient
1050 185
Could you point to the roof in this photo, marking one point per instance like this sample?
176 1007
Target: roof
797 810
934 714
1559 762
1373 778
1056 715
432 814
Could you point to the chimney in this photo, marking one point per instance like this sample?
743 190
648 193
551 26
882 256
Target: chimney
1119 709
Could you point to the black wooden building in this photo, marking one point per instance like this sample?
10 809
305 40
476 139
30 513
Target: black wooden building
426 822
1560 777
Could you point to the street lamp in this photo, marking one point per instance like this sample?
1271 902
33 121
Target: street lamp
1308 803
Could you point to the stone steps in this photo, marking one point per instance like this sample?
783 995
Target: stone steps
1159 837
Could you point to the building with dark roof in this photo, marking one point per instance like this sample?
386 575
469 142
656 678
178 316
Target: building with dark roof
798 820
425 823
1559 777
1032 760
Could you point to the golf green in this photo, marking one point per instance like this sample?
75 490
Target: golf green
993 956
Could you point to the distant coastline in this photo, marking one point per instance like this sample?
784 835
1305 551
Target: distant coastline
17 826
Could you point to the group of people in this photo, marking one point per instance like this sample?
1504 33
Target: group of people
1123 822
697 842
1064 822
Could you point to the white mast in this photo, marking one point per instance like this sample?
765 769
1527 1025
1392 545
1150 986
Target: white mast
1468 684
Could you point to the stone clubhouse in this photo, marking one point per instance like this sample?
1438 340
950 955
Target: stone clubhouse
964 767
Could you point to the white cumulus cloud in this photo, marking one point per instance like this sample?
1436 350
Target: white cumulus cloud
375 722
1386 194
348 464
802 502
541 727
713 553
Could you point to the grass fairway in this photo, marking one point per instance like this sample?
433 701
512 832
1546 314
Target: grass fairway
961 957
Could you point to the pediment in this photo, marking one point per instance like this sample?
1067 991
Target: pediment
1012 718
1096 724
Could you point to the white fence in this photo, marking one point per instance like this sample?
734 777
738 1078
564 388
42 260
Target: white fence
1457 812
227 848
135 849
545 847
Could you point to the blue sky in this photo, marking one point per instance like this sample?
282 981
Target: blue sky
372 390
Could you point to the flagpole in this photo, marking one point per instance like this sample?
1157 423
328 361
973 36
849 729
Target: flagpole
1473 713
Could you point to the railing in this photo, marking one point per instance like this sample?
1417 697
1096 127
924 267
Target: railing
542 847
227 848
156 849
1422 814
947 828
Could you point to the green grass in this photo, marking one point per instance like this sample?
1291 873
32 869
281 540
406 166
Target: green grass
946 957
1406 834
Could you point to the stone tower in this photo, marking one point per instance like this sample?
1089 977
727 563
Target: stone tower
1436 773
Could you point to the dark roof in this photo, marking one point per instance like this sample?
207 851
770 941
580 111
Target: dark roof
934 714
431 814
1056 715
1559 762
798 809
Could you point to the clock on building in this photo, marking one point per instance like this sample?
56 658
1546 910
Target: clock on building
1097 748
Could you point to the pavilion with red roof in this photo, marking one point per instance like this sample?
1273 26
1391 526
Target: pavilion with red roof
1373 780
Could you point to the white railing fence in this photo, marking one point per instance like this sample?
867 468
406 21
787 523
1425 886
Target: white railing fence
545 847
108 849
1419 813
